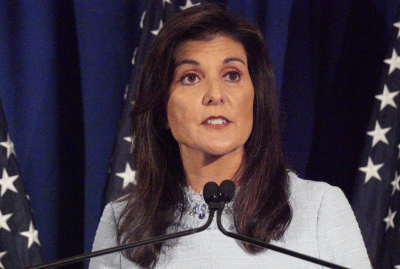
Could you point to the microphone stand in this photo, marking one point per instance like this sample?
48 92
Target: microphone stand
269 246
154 240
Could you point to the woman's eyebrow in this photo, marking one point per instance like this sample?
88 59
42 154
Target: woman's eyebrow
190 61
187 61
230 59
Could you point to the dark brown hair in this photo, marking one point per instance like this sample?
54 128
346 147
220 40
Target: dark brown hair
262 209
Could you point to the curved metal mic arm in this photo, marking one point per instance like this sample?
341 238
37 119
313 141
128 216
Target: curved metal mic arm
272 247
154 240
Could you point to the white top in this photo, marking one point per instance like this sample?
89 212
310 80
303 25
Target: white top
323 226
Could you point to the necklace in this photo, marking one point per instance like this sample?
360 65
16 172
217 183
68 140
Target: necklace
198 208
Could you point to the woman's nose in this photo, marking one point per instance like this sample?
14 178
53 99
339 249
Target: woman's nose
214 94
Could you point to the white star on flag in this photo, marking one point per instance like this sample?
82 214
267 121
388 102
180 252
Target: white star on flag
3 221
379 134
32 235
387 98
1 256
133 59
128 176
371 170
397 25
142 19
188 5
7 182
397 267
398 147
394 62
389 219
155 32
9 145
395 183
126 91
166 1
128 139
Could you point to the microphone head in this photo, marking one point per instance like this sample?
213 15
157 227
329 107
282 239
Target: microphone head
210 192
226 191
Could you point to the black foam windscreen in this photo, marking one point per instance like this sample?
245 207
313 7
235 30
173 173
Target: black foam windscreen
210 192
226 191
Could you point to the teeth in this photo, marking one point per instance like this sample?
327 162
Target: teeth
216 121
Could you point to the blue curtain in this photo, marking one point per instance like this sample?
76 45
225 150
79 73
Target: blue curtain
65 64
29 92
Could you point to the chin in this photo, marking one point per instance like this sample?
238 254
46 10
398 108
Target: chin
221 150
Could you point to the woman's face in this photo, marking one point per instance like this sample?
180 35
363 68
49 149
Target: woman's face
210 108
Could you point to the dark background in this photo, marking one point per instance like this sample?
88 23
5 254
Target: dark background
64 66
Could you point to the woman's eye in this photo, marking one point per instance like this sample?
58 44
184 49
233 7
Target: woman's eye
232 76
190 79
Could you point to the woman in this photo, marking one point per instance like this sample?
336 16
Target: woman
205 111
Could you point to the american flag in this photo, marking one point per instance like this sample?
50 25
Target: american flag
19 241
377 198
122 172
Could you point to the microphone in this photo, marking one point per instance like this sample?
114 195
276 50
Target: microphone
210 191
211 196
226 193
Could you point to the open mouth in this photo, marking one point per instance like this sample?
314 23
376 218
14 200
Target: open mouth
216 121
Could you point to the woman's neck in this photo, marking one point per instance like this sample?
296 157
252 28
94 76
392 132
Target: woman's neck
201 168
